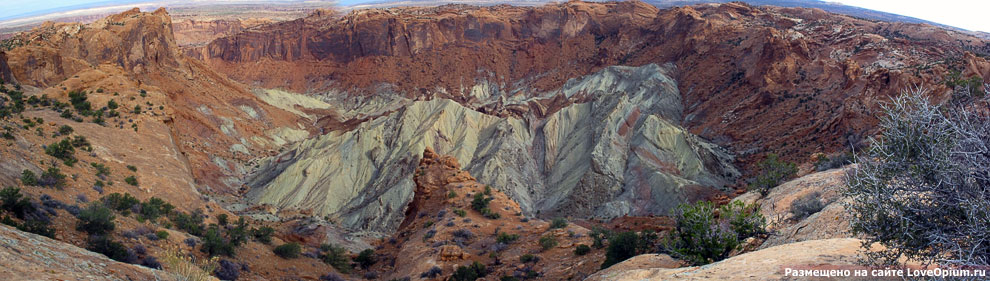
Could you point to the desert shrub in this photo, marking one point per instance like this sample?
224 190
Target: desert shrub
773 172
29 178
469 273
527 258
558 223
161 234
547 242
288 250
132 168
488 213
582 249
190 223
105 245
920 190
700 235
131 180
480 202
432 273
101 170
460 212
598 236
151 262
96 219
214 244
622 246
39 227
52 177
154 208
336 257
227 270
452 194
463 233
62 150
831 162
366 258
222 219
183 267
807 205
120 202
263 234
506 238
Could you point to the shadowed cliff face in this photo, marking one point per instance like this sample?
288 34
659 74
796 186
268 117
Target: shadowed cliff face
807 77
5 69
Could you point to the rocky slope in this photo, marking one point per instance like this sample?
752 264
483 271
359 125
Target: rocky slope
27 256
804 76
620 152
442 230
215 123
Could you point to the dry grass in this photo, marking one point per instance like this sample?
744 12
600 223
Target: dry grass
185 268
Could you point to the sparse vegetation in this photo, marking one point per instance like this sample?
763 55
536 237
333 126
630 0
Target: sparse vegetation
263 234
96 219
288 250
582 249
29 178
366 258
131 180
698 236
336 257
773 172
807 205
548 242
558 223
469 273
506 238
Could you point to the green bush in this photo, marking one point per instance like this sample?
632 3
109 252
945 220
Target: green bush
120 202
547 242
460 212
699 238
263 234
190 223
506 238
131 180
452 194
480 202
582 249
162 234
15 202
366 258
558 223
52 177
469 273
773 172
154 208
214 244
29 178
336 257
96 219
621 247
222 219
488 213
598 236
288 250
105 245
62 150
527 258
101 170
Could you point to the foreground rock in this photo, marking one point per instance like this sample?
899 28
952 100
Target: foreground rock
766 264
27 256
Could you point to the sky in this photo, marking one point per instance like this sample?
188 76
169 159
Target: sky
966 14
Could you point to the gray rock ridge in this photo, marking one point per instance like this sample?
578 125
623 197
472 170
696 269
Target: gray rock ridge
621 153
